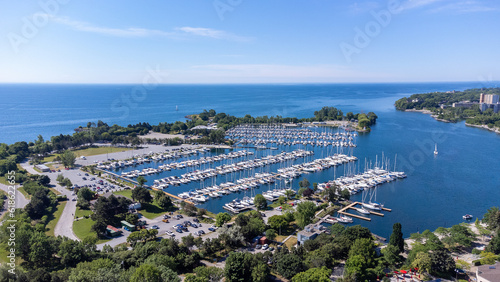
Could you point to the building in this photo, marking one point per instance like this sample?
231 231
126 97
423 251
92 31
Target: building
488 99
464 104
308 233
127 226
496 107
134 206
42 168
488 273
113 231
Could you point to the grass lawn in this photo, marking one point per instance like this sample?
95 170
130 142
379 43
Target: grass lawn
55 191
151 211
54 218
291 242
81 213
126 193
82 229
90 152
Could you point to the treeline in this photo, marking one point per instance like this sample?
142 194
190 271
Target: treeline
115 134
433 101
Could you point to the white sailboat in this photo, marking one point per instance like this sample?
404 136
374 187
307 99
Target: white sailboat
436 149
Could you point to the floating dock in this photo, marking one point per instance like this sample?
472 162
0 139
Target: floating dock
352 205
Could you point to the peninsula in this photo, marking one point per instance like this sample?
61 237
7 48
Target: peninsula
478 107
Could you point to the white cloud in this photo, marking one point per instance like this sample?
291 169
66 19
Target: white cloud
177 33
435 6
212 33
464 7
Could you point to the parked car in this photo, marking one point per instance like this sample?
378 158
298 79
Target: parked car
194 225
271 249
211 229
265 246
84 178
178 230
170 233
165 216
86 174
74 199
155 227
258 246
196 220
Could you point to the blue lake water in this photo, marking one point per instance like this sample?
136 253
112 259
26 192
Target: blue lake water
462 178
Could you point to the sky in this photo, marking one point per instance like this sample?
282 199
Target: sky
243 41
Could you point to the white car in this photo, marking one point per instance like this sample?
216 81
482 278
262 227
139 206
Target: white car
170 233
265 246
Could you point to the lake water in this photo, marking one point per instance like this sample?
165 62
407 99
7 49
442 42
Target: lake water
462 178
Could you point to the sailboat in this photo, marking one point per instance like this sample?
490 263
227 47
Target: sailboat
436 149
176 108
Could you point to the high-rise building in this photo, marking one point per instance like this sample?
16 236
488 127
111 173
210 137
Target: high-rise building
488 99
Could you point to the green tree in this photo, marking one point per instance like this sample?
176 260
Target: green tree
304 183
305 213
288 265
239 267
141 195
494 245
222 218
60 178
396 238
391 255
212 274
165 202
260 202
423 262
313 275
85 194
146 273
345 194
141 180
492 218
271 234
277 222
68 158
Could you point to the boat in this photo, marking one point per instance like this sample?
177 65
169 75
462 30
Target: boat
467 217
362 210
436 149
372 206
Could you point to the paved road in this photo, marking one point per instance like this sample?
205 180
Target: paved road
21 201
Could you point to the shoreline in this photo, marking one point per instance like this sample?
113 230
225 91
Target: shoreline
482 126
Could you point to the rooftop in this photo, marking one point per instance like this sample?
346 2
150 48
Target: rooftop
489 272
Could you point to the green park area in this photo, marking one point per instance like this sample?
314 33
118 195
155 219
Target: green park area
92 151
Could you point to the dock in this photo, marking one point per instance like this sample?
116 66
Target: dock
173 196
352 205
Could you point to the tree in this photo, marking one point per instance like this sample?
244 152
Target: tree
313 275
212 274
239 267
304 183
85 194
345 194
222 218
146 273
271 234
141 180
332 194
494 245
164 202
141 195
260 202
305 213
68 158
396 238
492 218
391 255
99 227
67 182
277 222
289 265
423 262
60 178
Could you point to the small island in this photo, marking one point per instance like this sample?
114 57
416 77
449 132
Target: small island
479 107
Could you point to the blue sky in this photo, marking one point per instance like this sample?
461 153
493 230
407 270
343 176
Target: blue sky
243 41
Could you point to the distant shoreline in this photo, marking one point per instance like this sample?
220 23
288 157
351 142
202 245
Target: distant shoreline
482 126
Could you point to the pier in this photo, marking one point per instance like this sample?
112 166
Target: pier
352 205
